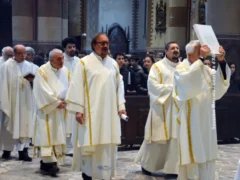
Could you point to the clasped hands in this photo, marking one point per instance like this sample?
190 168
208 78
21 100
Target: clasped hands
205 51
62 105
80 117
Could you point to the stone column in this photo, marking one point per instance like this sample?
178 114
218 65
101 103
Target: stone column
22 21
224 18
176 25
74 21
177 20
52 23
92 23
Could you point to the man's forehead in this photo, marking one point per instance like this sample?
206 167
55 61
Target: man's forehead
71 44
102 38
58 54
120 56
21 49
173 45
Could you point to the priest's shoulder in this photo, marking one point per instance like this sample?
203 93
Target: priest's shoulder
84 59
43 67
184 65
9 61
114 62
159 64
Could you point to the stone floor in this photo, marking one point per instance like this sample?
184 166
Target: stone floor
18 170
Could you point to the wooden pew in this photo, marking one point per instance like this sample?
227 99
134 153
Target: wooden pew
227 113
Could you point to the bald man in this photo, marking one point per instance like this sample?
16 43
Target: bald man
16 105
50 88
7 52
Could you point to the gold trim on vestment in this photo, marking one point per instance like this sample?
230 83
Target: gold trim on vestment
163 107
22 80
159 72
189 131
178 109
180 153
69 76
178 121
176 106
65 114
209 83
164 120
42 74
70 101
117 74
88 101
48 131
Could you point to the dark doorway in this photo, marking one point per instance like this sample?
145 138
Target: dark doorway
118 39
5 23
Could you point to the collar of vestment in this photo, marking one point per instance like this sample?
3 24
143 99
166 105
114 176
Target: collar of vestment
173 64
53 68
67 57
99 57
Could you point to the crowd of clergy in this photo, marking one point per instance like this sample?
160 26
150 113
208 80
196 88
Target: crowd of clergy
81 101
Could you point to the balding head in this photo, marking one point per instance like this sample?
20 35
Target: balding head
56 58
19 53
7 52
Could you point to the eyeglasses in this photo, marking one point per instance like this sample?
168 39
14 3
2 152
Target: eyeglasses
103 43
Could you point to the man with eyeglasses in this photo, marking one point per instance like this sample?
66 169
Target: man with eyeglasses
7 52
16 104
96 95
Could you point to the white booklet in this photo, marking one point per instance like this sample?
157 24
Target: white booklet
207 36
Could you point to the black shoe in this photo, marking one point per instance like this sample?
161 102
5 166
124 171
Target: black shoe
23 155
6 155
144 171
70 155
55 164
86 177
172 176
49 168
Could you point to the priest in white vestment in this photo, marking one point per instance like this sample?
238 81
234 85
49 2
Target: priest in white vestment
30 53
70 62
193 92
159 148
16 104
50 88
7 52
96 95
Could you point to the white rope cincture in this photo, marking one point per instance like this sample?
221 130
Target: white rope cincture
213 91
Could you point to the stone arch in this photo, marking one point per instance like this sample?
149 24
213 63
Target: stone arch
118 39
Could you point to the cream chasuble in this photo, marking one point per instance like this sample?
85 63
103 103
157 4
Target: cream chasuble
16 99
2 61
159 125
50 87
70 63
34 68
97 91
193 93
159 149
